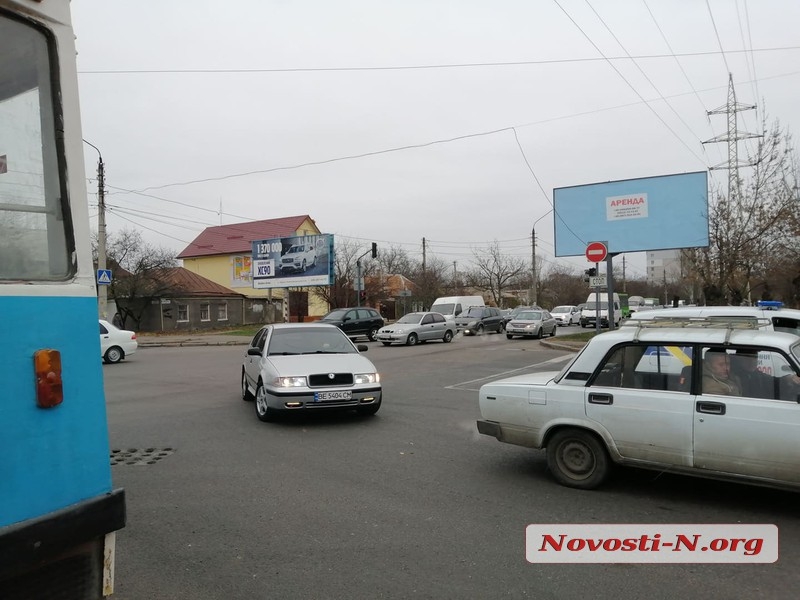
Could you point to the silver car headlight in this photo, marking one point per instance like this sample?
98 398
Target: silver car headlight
290 382
528 326
366 378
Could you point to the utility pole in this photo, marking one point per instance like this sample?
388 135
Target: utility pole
423 256
102 290
533 265
624 282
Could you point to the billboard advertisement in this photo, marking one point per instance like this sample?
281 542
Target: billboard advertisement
297 261
633 215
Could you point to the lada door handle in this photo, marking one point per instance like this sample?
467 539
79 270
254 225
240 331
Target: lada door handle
711 408
601 399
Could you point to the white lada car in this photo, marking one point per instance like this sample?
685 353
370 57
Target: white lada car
647 396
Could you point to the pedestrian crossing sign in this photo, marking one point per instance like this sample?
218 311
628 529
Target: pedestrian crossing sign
104 276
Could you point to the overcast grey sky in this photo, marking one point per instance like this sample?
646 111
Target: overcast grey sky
242 93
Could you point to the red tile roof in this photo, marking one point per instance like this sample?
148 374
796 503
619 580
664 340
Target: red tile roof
236 238
188 284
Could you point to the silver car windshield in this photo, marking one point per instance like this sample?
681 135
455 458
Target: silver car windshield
309 340
530 315
410 318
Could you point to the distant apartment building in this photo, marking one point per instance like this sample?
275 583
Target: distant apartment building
663 266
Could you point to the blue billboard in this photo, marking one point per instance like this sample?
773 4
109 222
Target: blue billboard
297 261
633 215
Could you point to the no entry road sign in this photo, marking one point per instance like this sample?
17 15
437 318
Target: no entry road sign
596 252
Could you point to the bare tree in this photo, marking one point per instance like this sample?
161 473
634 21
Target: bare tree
343 293
752 231
140 275
494 271
394 260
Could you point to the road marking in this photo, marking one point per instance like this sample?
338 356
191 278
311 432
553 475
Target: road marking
457 386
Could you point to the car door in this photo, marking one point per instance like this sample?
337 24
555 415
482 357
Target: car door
428 328
350 322
756 437
631 397
105 339
440 326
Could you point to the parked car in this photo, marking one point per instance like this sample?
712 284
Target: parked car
647 396
295 367
531 323
566 315
417 327
476 320
299 257
115 343
356 321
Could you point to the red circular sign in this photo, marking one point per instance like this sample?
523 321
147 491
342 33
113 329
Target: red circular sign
596 252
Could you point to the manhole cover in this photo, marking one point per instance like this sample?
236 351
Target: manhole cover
136 457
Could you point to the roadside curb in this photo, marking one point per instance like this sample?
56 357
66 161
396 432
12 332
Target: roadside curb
190 343
567 346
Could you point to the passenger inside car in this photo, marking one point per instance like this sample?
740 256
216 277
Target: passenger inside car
717 376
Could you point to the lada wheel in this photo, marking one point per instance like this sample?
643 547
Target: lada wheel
576 458
263 411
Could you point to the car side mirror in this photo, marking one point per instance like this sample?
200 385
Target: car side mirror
345 319
254 352
362 347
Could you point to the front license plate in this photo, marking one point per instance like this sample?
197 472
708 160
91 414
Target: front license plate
323 396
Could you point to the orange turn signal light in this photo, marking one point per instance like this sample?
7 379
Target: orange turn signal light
49 389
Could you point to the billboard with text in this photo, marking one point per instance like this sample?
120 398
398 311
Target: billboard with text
633 215
297 261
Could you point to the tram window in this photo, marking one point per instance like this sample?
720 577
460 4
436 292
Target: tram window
33 225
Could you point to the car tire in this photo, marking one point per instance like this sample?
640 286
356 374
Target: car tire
247 395
577 458
411 340
540 333
373 332
509 336
369 409
553 333
113 355
303 267
263 411
479 330
386 343
448 336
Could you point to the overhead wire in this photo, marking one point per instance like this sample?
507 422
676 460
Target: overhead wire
630 85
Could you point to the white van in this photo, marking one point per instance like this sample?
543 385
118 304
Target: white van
589 312
452 306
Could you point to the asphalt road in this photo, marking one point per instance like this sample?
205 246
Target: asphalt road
411 503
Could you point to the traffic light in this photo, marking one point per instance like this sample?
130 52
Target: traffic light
362 295
374 250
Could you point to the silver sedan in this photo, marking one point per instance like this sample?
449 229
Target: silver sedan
292 367
532 323
417 327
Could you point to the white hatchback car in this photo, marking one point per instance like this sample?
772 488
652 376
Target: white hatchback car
651 396
115 343
291 367
566 315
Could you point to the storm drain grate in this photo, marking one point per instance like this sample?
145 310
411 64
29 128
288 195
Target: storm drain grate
146 456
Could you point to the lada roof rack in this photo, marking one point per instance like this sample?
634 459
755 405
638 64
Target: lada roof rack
729 323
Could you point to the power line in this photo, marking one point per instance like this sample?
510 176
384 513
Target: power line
413 67
630 85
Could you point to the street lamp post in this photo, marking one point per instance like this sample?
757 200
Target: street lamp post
102 290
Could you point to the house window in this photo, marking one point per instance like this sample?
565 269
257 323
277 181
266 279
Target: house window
183 312
222 311
205 311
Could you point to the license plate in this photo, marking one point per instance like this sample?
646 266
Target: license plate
323 396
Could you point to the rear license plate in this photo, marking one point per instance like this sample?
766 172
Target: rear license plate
323 396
